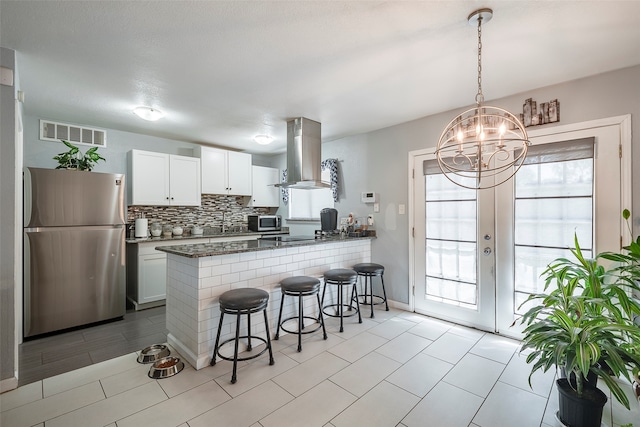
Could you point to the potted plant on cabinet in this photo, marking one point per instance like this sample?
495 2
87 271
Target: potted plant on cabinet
583 316
74 159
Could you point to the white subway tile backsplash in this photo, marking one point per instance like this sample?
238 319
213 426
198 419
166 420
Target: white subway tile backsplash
221 270
239 266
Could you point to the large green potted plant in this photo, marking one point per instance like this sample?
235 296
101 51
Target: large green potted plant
74 159
584 316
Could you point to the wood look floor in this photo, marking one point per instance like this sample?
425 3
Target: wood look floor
52 355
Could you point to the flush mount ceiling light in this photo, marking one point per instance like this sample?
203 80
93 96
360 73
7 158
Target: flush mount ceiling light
484 146
263 139
148 113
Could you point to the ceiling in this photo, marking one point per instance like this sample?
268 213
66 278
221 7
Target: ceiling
224 71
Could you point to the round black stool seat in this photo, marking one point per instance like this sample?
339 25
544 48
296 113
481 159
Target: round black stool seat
342 277
299 286
369 270
238 302
244 299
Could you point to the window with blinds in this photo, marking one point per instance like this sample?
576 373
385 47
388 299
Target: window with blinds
554 191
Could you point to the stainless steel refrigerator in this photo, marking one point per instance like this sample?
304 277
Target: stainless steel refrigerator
74 257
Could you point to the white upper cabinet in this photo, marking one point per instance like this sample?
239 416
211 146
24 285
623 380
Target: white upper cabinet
264 193
225 172
159 179
184 180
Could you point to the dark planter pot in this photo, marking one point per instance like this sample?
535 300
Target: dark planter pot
580 411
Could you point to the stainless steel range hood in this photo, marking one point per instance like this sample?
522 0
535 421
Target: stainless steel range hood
303 155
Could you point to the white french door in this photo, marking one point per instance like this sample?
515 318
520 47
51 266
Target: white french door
456 248
476 255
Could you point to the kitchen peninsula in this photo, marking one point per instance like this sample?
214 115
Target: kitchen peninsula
198 274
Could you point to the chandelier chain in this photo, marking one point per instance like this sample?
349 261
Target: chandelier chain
479 96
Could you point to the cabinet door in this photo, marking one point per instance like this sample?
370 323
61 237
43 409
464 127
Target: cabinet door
149 178
264 193
185 181
214 170
239 170
152 277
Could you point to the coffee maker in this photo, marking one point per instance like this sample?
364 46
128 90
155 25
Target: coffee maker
328 221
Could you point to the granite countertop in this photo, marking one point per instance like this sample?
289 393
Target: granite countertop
151 239
239 246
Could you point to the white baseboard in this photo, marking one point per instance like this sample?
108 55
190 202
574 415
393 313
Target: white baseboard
9 383
399 305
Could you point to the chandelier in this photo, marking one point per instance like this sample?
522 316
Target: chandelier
484 146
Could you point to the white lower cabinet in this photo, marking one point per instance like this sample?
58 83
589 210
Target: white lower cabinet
147 269
152 278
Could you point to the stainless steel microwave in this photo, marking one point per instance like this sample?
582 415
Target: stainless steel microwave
265 222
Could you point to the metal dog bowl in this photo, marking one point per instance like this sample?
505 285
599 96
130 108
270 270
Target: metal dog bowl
166 367
153 353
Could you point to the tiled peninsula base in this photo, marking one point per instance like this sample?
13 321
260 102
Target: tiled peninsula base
194 285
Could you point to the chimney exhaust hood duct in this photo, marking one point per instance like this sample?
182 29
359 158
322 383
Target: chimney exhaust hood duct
303 155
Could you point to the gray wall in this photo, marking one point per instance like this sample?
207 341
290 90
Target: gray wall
10 276
378 161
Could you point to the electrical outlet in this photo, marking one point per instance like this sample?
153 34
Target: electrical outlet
244 218
344 221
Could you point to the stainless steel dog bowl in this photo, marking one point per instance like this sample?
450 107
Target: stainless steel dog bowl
153 353
166 367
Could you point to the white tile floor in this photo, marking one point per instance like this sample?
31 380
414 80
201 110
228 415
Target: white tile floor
399 369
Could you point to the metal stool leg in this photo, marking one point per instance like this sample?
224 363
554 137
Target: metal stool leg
384 292
235 351
355 288
215 347
370 279
279 318
324 331
266 324
300 323
340 308
249 346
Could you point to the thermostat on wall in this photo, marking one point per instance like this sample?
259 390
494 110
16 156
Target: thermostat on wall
369 197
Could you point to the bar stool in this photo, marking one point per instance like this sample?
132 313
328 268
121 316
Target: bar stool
369 270
300 286
342 277
239 302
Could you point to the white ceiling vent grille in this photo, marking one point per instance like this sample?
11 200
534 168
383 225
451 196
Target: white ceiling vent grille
52 131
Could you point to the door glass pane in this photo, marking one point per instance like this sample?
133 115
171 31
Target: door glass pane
452 220
440 188
451 260
452 292
558 179
450 244
552 222
553 202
